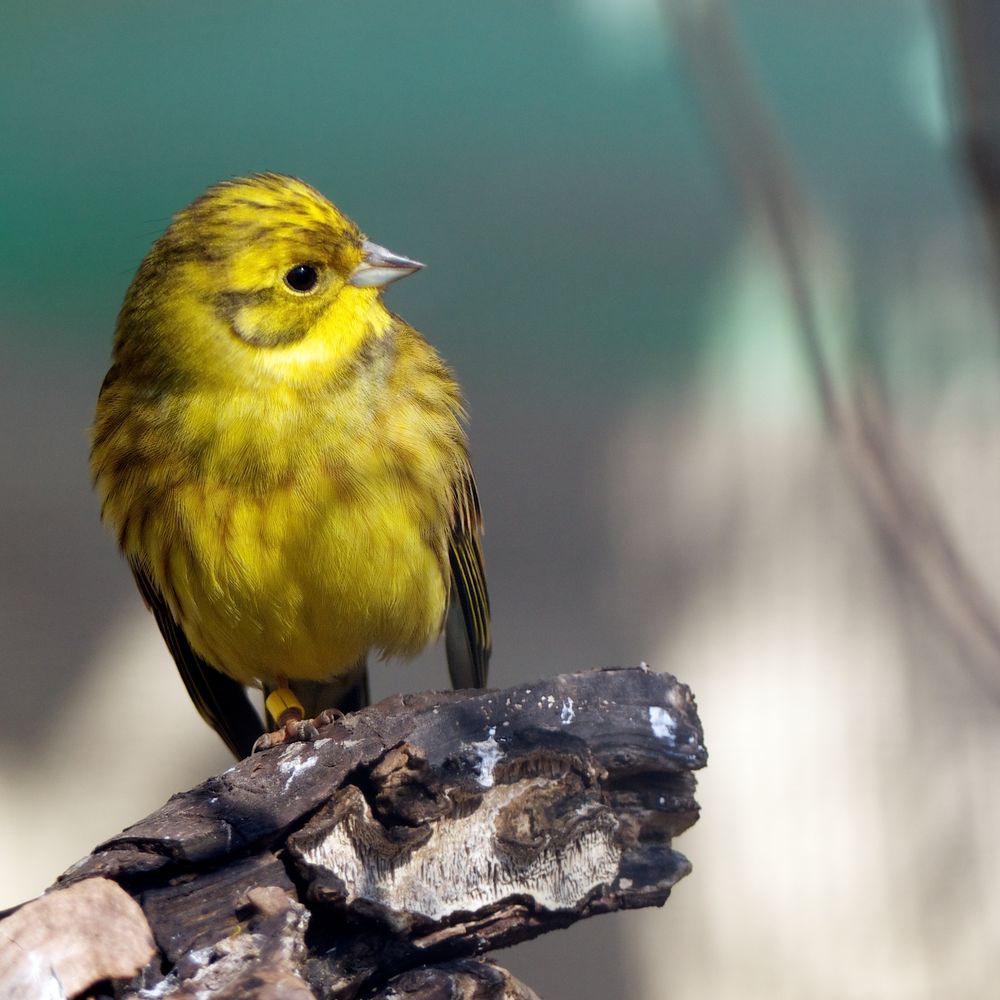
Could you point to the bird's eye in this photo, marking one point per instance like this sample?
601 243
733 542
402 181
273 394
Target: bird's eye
302 278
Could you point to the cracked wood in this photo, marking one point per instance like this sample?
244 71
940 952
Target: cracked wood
415 833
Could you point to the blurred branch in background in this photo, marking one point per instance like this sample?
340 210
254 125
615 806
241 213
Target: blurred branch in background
974 28
812 266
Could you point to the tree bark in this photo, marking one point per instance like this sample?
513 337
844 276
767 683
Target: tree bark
379 859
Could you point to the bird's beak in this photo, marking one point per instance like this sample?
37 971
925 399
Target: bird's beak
379 267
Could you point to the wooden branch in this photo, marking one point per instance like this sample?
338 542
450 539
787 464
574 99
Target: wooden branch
411 836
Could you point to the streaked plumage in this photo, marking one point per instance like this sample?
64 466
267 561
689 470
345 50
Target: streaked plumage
286 471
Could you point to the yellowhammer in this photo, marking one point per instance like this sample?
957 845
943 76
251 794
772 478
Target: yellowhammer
284 462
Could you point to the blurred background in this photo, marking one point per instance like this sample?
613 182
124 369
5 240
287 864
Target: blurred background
719 285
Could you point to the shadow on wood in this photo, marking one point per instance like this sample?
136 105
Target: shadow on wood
377 860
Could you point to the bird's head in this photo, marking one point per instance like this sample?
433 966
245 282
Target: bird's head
262 262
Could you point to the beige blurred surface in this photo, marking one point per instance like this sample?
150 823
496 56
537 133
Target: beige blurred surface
115 750
848 844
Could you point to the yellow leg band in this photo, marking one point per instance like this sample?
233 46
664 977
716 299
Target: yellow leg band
282 700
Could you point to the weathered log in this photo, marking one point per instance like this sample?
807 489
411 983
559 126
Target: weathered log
409 837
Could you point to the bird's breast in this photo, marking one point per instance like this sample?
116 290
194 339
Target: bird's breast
308 537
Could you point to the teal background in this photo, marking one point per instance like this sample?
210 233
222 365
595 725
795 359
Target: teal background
532 153
498 142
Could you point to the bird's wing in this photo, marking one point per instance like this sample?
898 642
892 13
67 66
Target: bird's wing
221 701
467 626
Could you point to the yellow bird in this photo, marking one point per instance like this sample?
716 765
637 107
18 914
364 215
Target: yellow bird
284 461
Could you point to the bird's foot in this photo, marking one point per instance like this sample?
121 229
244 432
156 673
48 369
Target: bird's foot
293 731
293 727
327 717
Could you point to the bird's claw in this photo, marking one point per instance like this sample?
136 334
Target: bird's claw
297 730
327 717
